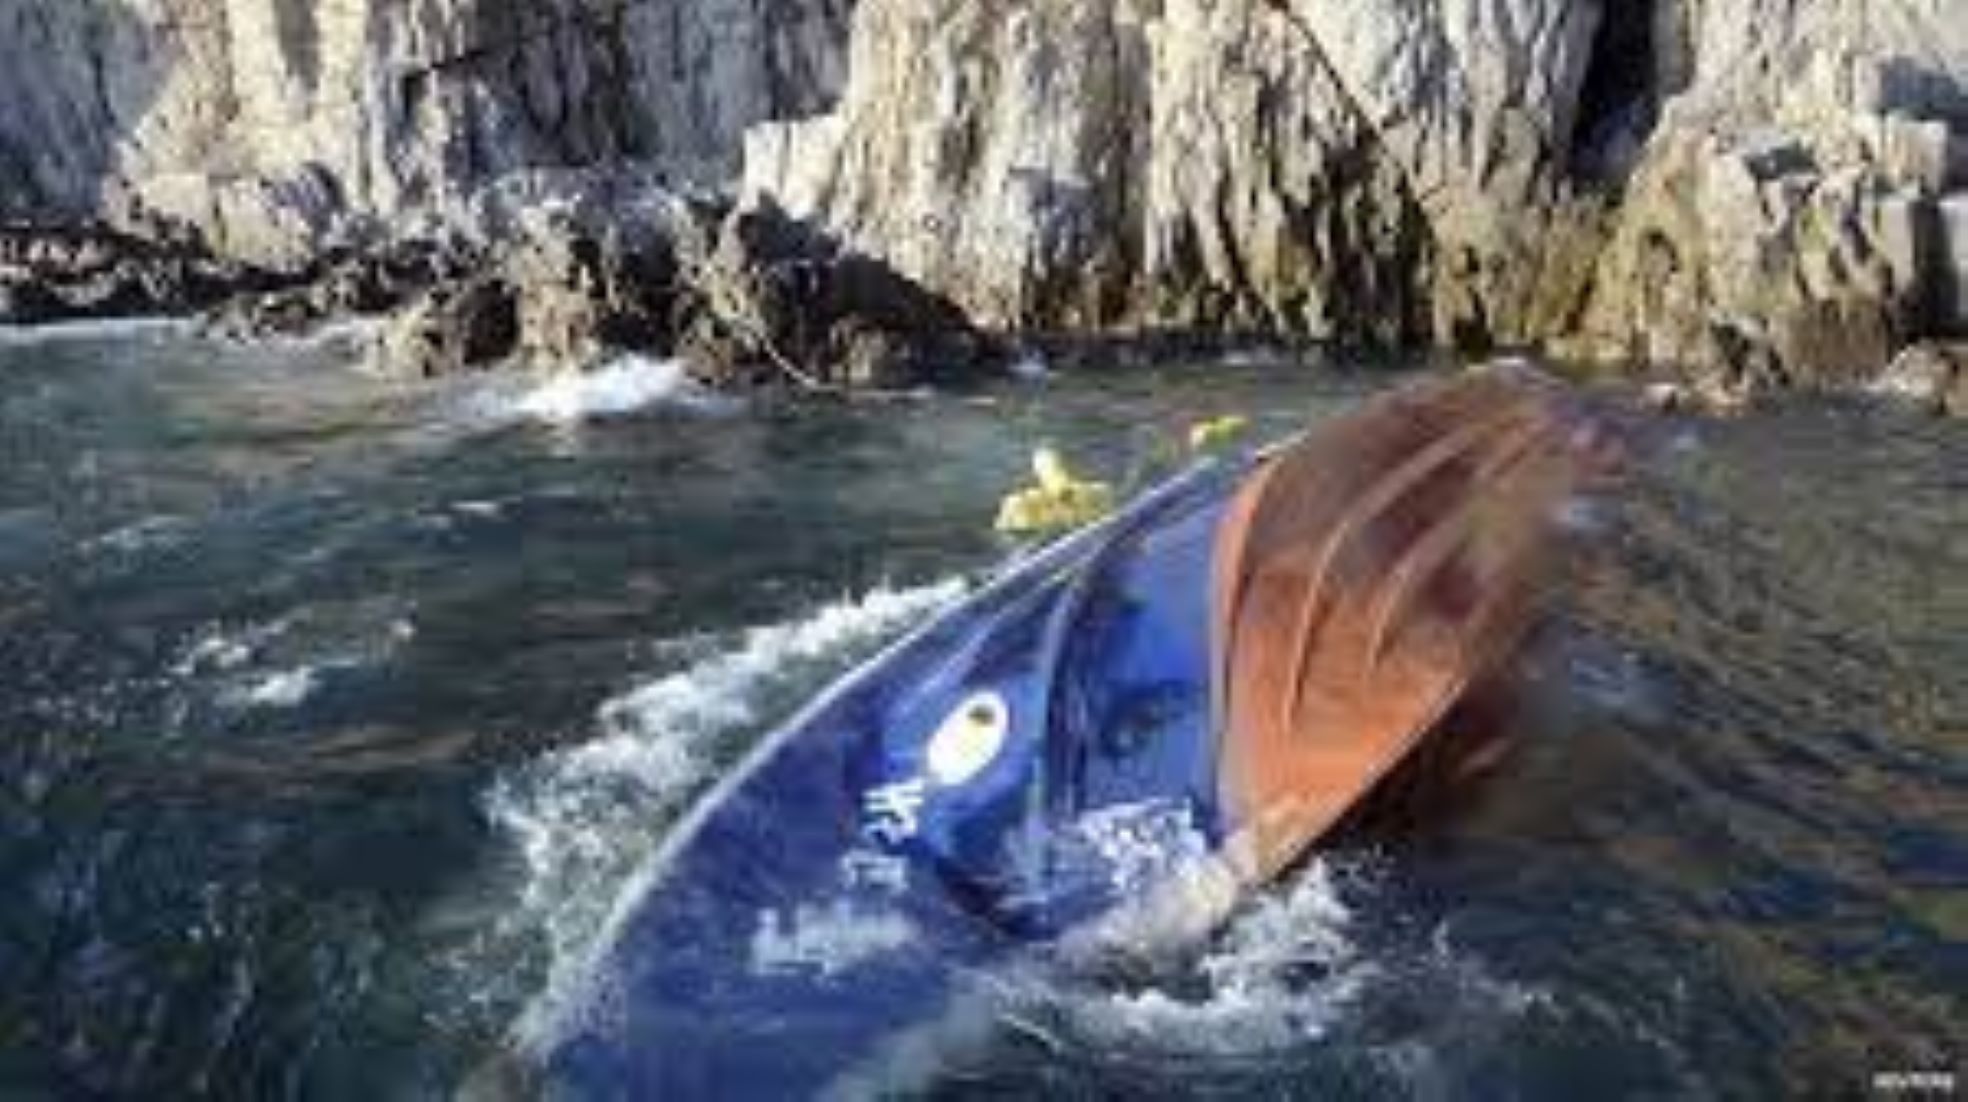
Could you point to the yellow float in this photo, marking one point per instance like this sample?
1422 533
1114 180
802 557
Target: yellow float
1058 501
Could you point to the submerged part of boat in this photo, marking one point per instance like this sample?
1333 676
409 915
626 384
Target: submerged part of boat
1102 751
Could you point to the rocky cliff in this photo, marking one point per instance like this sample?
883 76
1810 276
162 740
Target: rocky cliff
1772 188
1295 167
1802 207
275 127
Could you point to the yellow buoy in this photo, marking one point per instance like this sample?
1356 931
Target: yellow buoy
1217 432
1059 501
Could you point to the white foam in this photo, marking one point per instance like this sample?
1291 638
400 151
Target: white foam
353 335
1031 367
281 689
1308 964
219 650
1140 844
281 663
1257 997
356 338
619 386
1254 356
215 651
588 819
151 532
102 329
1282 975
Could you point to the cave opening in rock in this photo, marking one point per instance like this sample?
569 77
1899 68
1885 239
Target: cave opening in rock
1632 66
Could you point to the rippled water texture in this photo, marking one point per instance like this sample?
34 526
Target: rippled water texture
338 713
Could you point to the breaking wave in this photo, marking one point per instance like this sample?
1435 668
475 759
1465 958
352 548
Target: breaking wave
586 820
280 689
1283 973
1321 972
623 385
1286 972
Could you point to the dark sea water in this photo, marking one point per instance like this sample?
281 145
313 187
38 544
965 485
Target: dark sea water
337 713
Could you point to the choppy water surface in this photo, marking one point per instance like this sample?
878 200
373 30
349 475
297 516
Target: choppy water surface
336 714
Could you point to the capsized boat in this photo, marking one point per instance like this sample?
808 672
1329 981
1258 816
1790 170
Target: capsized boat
1101 752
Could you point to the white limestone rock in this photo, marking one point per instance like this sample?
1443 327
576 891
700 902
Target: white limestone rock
1311 167
269 125
1786 218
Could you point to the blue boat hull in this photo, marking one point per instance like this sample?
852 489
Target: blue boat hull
1103 750
709 989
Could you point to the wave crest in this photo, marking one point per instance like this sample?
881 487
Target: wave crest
586 820
623 385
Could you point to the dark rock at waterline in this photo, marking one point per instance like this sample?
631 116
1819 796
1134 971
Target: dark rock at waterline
553 295
27 302
54 273
765 298
380 279
454 327
874 359
581 291
746 299
556 295
1931 375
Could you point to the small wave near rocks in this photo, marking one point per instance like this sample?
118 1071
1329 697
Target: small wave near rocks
615 387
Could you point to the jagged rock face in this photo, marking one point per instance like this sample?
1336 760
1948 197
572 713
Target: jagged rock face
1476 106
271 124
1269 197
981 147
1303 167
1759 184
1759 259
1789 220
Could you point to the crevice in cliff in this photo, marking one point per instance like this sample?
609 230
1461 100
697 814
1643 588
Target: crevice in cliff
300 39
1635 64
